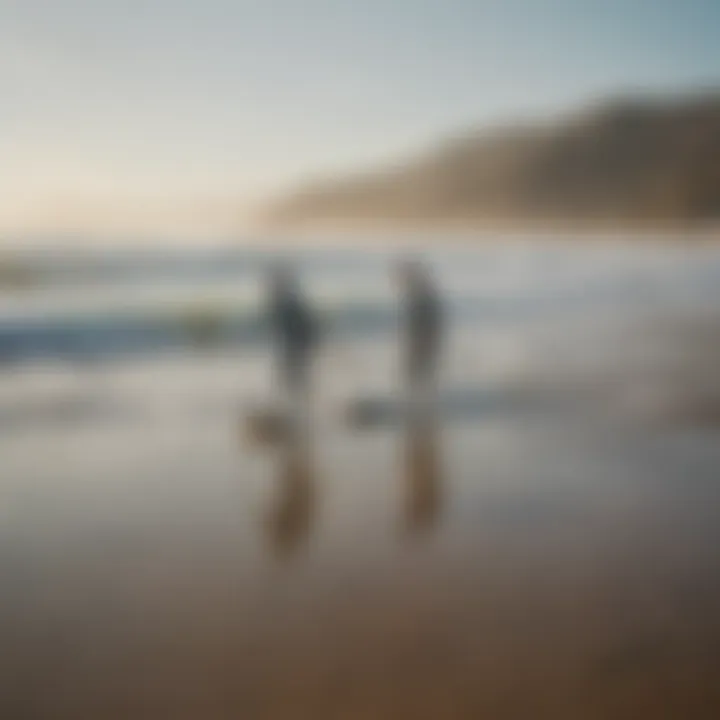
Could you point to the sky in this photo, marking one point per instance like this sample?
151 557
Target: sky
155 115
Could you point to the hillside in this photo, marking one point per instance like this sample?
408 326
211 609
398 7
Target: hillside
628 161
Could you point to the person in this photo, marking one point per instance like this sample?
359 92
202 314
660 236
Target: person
295 332
422 332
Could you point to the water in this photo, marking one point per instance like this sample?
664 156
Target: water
93 305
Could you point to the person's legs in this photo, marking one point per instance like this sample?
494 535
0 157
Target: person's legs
421 379
295 381
414 378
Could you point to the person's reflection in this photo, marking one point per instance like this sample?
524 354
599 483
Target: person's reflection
289 521
423 478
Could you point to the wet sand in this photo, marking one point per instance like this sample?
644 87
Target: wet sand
525 563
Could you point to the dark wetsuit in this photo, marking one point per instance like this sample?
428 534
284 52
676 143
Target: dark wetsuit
296 334
423 334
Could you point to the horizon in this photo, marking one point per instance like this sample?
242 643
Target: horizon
178 118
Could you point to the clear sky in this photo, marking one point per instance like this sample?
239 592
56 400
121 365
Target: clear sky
138 112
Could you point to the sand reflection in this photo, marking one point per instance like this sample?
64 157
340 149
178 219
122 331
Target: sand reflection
422 476
289 521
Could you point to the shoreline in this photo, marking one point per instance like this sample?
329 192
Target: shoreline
263 236
495 233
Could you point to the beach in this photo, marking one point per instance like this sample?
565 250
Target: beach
548 547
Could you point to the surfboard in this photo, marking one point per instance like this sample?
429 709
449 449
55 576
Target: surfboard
459 403
373 411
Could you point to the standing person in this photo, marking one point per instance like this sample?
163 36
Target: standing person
422 333
295 333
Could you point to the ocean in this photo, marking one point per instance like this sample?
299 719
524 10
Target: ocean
82 304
